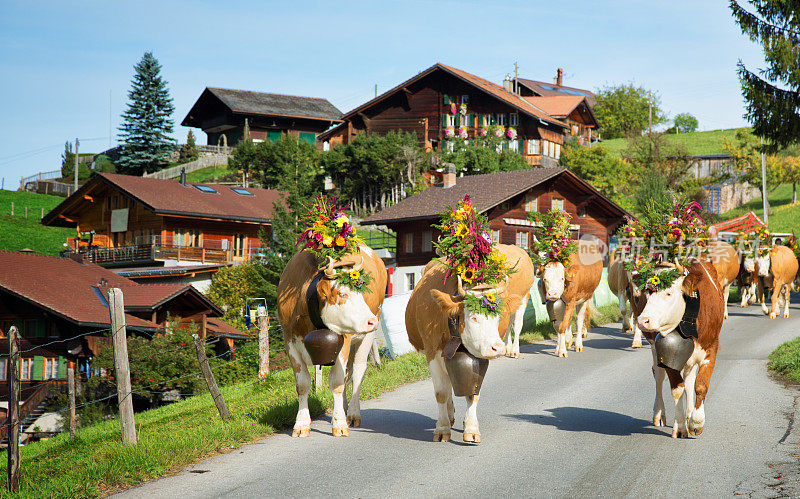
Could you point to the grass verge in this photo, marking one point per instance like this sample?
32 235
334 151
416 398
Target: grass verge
173 436
709 142
784 214
18 232
544 330
785 361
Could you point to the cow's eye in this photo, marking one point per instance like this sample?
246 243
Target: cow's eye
474 319
345 296
669 294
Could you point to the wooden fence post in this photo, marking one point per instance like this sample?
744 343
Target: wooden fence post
71 390
13 410
263 343
119 335
200 346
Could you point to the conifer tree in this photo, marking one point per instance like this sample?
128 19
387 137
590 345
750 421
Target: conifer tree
147 123
774 100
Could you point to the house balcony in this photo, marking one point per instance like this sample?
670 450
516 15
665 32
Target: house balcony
146 254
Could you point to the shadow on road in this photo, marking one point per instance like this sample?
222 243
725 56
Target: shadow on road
590 420
399 424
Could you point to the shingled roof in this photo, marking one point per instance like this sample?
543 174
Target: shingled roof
265 104
77 292
546 89
486 191
170 197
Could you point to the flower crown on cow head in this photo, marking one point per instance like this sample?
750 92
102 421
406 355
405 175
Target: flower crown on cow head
553 241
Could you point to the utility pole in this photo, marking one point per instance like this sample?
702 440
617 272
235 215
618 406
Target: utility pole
76 163
516 75
376 90
71 392
650 112
765 202
109 119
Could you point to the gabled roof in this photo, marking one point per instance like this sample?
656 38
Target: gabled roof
486 191
170 197
77 292
545 89
264 104
486 86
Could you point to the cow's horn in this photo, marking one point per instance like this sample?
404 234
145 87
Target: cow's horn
329 273
358 265
461 291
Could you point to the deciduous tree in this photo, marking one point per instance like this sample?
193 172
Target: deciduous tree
623 110
685 123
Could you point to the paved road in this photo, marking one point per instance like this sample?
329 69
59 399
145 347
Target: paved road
550 427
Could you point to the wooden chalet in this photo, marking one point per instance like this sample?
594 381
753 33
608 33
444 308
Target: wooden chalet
535 88
506 198
125 221
221 114
430 104
60 308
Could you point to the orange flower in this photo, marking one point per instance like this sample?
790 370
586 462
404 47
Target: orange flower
340 241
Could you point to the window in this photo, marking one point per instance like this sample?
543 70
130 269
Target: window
533 146
450 120
557 204
531 203
29 328
427 239
487 120
513 145
26 369
495 236
409 242
51 368
502 119
410 278
205 188
187 237
465 99
558 151
513 119
243 192
308 137
522 239
551 149
239 242
52 330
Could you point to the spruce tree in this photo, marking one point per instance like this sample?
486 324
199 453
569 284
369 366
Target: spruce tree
774 100
147 123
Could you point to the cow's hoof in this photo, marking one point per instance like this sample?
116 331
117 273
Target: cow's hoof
441 436
353 421
636 344
341 432
696 431
562 354
584 335
659 421
773 315
676 433
725 316
786 315
578 348
303 431
472 437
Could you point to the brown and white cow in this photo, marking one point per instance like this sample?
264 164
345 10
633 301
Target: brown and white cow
726 262
662 314
563 290
343 311
432 302
619 284
776 270
747 280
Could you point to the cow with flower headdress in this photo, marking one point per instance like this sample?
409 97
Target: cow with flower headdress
569 273
334 284
682 312
466 302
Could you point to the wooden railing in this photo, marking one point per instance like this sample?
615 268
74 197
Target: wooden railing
39 176
187 253
140 253
40 393
122 254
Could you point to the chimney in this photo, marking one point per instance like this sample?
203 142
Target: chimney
449 176
560 77
507 83
183 176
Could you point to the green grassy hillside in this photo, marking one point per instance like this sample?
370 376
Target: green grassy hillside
695 143
785 215
18 232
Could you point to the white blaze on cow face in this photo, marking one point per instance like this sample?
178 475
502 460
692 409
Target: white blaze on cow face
343 310
763 265
554 280
480 336
749 264
664 309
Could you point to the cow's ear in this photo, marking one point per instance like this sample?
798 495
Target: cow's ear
327 293
447 303
691 281
513 302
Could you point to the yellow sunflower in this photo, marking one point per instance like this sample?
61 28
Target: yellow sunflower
655 280
467 275
327 240
491 297
355 275
462 230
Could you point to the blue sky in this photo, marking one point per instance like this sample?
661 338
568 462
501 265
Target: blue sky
60 60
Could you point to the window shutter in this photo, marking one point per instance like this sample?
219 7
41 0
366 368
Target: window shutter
480 120
446 100
62 368
38 368
521 146
444 120
458 120
470 121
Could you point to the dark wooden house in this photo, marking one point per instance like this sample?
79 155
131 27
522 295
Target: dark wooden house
535 88
124 220
506 198
221 114
442 101
574 110
60 308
